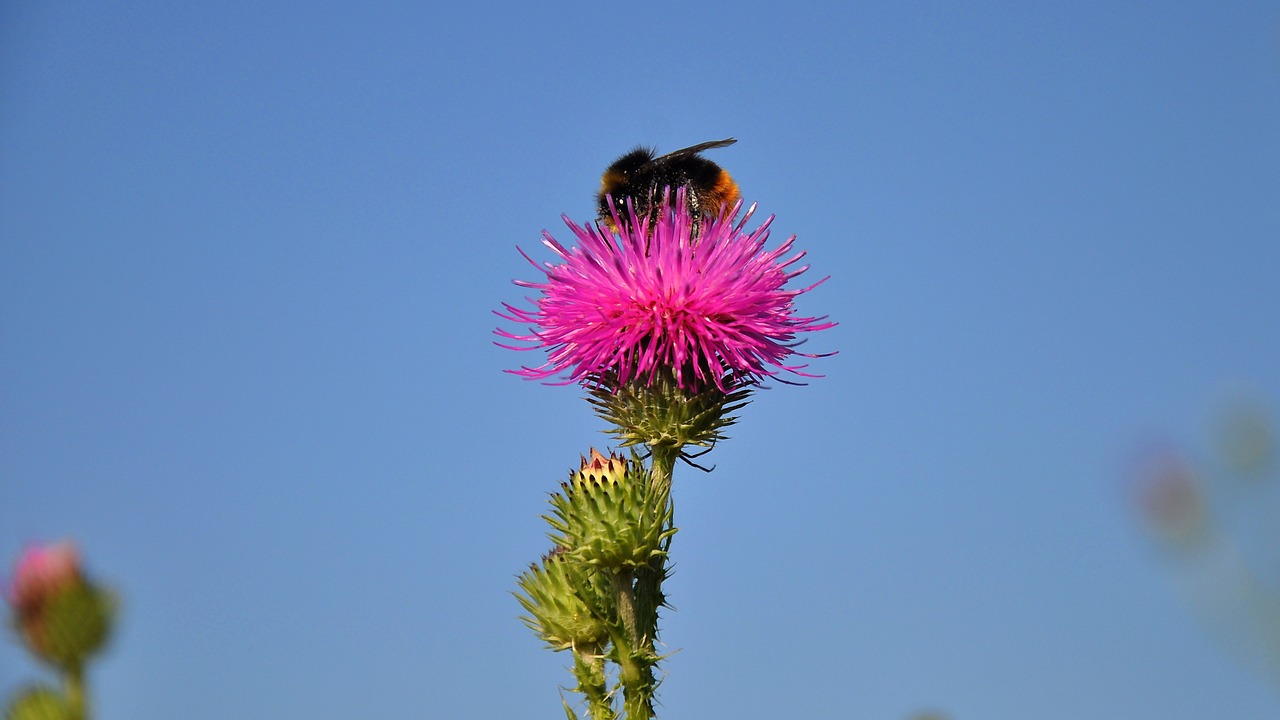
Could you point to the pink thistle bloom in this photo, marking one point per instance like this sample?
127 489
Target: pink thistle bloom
708 305
41 573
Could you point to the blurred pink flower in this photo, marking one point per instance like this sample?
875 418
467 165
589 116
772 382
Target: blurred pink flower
41 573
708 305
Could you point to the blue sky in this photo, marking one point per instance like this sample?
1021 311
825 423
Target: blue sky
249 255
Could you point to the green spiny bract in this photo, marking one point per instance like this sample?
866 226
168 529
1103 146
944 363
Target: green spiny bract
660 413
567 602
609 513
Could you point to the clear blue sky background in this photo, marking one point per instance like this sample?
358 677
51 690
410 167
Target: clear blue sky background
249 253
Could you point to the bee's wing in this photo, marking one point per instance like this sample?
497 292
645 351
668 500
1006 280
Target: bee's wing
693 150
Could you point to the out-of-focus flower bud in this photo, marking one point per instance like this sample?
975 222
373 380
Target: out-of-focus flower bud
42 572
60 615
1172 502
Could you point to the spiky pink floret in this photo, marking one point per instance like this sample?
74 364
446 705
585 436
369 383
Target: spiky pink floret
709 304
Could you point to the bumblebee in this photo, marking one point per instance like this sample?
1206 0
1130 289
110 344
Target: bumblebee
643 176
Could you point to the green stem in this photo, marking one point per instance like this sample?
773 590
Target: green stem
649 579
638 604
76 703
588 667
635 675
663 463
625 599
637 702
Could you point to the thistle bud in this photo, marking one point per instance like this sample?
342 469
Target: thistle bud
566 603
609 514
60 615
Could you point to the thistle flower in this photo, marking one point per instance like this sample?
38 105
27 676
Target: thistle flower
707 305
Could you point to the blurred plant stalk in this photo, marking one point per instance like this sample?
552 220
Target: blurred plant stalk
1218 524
63 619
